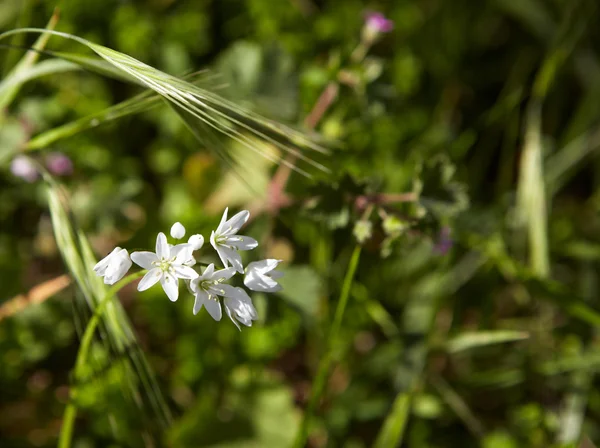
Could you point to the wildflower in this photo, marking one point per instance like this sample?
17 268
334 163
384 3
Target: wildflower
208 286
167 265
377 23
59 164
177 231
363 230
196 241
114 266
261 276
24 168
239 307
444 242
392 225
226 241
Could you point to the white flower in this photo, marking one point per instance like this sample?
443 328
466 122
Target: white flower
177 231
239 307
114 266
261 276
226 241
167 265
196 241
208 286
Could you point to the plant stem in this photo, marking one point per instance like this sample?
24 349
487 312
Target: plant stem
66 432
325 363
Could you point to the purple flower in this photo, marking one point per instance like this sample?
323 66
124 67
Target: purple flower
24 168
378 23
444 242
59 164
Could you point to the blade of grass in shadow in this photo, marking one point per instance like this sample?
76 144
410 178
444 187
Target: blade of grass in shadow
43 68
580 382
7 95
417 320
12 57
458 405
563 164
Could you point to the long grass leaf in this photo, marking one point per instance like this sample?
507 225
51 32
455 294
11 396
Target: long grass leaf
116 330
217 112
8 94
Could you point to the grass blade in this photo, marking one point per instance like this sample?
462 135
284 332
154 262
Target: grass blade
213 110
8 94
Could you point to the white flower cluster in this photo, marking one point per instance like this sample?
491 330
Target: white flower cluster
173 262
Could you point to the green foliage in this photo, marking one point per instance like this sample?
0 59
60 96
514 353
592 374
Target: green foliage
458 158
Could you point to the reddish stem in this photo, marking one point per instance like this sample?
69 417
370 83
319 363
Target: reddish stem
276 195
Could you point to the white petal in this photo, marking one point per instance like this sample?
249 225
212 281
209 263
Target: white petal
223 219
150 279
177 231
241 242
170 285
201 297
259 282
208 272
101 266
223 274
218 248
243 310
225 290
236 222
184 272
118 267
228 311
243 296
196 241
213 306
162 247
144 259
182 253
232 257
269 264
263 266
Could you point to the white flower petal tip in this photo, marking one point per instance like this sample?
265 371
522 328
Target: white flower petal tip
114 266
227 242
239 307
167 266
196 241
208 287
261 276
177 231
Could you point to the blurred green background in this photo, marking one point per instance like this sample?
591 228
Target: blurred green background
473 316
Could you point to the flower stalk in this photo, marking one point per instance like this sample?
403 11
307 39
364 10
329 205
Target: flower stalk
327 360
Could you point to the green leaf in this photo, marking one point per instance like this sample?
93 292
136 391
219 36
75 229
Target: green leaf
10 85
467 341
302 288
438 190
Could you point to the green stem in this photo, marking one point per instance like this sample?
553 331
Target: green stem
66 432
325 364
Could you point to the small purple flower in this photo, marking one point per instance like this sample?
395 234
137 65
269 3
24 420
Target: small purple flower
59 164
376 22
24 168
444 242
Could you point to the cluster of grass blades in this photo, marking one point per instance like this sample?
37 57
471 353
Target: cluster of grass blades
209 116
